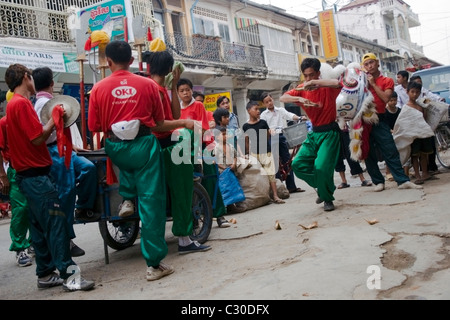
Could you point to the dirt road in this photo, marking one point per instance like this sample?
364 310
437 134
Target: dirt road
404 255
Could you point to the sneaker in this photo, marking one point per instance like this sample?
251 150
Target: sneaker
49 281
126 208
75 284
222 222
23 259
193 247
328 206
30 251
76 251
319 200
157 273
379 187
86 215
409 185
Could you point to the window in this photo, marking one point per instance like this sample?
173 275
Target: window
205 27
389 32
224 32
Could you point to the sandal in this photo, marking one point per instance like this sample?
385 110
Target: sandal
366 183
343 185
278 201
418 181
296 190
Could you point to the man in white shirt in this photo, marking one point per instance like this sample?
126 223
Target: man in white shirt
400 88
276 119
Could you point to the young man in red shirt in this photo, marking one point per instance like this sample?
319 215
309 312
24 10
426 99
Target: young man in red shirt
179 176
316 159
195 110
31 160
130 100
380 136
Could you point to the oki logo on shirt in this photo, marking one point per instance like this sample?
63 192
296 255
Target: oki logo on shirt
123 92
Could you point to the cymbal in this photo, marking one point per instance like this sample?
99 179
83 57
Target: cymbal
71 107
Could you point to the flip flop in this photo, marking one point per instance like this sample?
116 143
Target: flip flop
278 201
418 181
431 178
343 185
366 183
297 190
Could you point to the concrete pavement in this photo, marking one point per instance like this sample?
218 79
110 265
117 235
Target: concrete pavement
405 255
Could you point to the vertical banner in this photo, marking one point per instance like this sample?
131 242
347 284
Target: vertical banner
328 34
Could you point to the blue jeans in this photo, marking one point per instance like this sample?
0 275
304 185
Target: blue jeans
381 138
48 226
79 180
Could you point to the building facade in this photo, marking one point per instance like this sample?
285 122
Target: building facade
233 47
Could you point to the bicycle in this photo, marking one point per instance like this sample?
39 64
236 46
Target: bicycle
120 233
442 140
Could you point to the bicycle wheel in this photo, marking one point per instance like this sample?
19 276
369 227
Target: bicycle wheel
119 235
202 213
442 139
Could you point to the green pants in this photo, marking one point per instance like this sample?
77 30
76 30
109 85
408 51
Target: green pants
315 162
19 225
210 181
180 185
142 175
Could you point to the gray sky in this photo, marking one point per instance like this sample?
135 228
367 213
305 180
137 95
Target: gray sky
434 16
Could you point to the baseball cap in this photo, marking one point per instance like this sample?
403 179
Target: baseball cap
369 56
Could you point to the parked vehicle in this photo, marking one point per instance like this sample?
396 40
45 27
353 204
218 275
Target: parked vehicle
437 80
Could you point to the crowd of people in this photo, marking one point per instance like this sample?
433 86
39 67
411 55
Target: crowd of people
50 185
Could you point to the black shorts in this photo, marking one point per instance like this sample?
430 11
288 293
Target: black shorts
422 146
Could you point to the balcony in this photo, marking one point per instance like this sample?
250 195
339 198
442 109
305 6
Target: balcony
391 8
208 51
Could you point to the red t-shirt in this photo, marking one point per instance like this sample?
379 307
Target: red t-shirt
326 99
124 96
23 126
167 106
3 141
384 83
196 111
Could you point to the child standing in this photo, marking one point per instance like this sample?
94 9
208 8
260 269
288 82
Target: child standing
253 128
390 116
420 147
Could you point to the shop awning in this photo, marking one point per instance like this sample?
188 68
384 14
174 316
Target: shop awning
388 55
242 23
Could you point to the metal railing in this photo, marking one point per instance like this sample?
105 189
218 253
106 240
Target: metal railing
212 50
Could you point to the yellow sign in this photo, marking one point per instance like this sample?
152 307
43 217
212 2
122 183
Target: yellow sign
210 101
328 34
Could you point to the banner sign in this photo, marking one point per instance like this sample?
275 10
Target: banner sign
32 59
109 17
211 100
328 34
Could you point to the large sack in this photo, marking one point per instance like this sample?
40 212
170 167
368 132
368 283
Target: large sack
282 191
255 183
436 111
409 125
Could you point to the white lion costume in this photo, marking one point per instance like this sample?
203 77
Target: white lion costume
355 105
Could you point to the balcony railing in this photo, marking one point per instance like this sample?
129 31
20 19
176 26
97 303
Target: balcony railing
209 49
22 21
